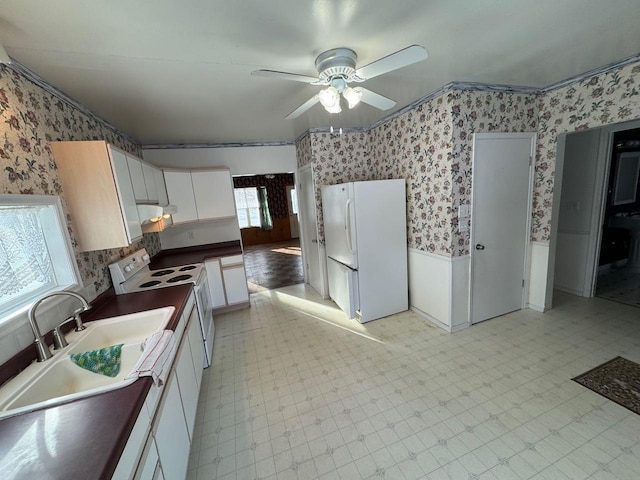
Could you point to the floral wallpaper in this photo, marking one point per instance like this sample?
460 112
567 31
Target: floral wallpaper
276 190
430 146
336 159
30 118
603 99
303 151
481 112
416 146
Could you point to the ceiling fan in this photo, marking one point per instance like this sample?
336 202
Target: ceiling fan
337 68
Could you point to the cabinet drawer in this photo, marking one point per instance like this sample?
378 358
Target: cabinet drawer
233 260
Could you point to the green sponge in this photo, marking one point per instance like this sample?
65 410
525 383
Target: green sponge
105 361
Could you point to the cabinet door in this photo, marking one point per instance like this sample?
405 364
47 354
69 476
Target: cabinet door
172 437
148 465
137 179
194 332
213 191
180 193
161 188
187 380
127 197
216 286
150 182
235 284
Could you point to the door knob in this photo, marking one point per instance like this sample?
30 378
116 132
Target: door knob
479 246
315 240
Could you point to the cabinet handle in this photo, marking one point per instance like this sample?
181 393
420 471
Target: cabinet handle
479 247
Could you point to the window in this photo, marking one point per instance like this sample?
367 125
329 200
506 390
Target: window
35 252
294 201
247 206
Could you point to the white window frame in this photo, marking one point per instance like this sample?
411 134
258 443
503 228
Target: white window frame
59 246
247 209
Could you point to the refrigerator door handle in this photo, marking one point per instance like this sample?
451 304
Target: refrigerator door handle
347 222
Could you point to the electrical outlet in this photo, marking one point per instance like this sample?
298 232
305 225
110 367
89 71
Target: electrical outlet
463 225
190 235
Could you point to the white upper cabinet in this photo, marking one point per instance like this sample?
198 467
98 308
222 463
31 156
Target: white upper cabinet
180 193
137 179
200 195
161 188
97 188
213 190
149 174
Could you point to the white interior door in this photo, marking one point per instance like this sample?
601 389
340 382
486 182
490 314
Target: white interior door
308 219
501 203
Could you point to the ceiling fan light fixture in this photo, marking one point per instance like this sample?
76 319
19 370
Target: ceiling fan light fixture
334 108
329 97
352 96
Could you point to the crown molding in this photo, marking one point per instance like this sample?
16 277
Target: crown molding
182 146
487 87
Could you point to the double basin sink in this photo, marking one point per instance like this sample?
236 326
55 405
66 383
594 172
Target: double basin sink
59 380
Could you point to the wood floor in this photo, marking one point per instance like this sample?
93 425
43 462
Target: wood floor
273 265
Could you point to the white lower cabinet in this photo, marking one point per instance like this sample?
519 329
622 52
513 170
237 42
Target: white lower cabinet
216 286
227 281
160 442
170 432
149 467
235 284
187 382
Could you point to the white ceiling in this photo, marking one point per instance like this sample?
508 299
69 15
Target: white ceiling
168 71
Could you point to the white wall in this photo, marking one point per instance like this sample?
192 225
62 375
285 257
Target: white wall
200 233
241 160
439 289
579 176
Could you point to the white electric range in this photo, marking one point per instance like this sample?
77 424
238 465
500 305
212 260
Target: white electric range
132 274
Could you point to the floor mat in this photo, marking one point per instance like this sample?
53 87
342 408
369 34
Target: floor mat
618 380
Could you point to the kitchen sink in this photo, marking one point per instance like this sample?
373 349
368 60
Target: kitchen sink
60 380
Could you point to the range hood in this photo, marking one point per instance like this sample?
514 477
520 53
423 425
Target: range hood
152 213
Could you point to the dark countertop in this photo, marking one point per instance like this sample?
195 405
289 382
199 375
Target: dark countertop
84 439
198 254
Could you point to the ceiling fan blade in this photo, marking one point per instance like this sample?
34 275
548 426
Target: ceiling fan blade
284 76
303 108
402 58
376 100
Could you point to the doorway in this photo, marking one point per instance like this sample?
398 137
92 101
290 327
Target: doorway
309 231
597 247
618 276
501 201
272 256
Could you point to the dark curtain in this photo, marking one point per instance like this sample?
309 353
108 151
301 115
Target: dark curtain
265 217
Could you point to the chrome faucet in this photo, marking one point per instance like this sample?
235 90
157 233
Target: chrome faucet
43 351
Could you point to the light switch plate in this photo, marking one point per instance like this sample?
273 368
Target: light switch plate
463 211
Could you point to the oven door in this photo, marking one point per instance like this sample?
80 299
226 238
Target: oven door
203 302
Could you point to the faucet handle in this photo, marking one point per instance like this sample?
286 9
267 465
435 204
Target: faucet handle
59 340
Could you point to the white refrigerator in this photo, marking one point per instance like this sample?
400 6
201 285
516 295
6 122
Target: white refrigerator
366 246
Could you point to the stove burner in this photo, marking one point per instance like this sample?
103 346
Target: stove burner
188 267
152 283
178 278
160 273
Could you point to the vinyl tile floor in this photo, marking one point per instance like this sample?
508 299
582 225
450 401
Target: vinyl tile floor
273 265
297 391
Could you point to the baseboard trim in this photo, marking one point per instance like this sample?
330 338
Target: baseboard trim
537 308
231 308
438 323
